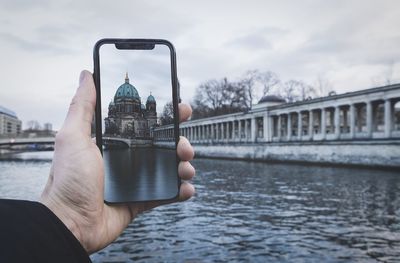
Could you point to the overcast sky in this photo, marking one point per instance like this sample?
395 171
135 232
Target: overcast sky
45 44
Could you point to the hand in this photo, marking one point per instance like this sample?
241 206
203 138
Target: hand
74 190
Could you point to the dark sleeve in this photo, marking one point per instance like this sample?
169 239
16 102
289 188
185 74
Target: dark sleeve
30 232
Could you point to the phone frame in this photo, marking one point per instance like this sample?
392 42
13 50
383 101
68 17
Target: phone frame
136 44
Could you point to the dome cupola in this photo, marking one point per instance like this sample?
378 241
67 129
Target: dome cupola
151 98
126 91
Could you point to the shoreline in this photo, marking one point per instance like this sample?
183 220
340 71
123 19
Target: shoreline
377 154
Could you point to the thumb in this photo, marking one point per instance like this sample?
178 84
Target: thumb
81 109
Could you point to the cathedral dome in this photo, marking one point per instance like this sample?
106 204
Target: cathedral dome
151 98
126 91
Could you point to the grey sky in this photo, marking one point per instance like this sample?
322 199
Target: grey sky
45 44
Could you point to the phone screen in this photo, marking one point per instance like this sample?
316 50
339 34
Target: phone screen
138 121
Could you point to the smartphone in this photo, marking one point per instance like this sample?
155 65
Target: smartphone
136 120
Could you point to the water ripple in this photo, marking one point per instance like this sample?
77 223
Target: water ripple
253 212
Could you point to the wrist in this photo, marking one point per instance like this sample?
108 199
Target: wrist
65 217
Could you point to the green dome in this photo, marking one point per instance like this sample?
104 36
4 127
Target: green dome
151 98
126 91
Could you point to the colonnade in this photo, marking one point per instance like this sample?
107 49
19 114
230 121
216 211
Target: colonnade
236 130
345 118
370 119
164 133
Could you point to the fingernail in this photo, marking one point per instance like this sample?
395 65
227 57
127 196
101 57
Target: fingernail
82 77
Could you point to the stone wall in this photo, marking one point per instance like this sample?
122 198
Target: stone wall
362 153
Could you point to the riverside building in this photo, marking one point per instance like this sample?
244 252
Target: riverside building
9 122
361 127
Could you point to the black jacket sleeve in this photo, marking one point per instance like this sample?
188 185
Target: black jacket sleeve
30 232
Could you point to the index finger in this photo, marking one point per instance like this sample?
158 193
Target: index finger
185 111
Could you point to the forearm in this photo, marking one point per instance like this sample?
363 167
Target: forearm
31 232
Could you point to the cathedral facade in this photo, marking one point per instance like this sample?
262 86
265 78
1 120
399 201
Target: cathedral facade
127 116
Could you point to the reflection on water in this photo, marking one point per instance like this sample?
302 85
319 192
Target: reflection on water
139 174
256 212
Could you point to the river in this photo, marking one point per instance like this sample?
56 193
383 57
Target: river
251 212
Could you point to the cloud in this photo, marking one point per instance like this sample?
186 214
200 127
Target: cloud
35 46
251 42
46 43
17 5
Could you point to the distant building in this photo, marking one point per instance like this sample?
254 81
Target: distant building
47 126
127 116
9 122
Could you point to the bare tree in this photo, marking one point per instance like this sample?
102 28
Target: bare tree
216 97
389 74
33 125
269 80
290 90
322 87
306 91
167 116
248 83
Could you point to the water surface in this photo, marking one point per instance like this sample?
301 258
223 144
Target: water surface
252 212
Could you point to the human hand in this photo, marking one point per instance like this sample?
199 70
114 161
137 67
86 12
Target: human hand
75 188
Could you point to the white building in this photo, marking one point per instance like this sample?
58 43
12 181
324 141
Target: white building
9 122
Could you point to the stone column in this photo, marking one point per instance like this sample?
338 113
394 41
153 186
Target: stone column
233 131
337 122
265 127
310 124
279 127
253 129
270 128
352 120
228 129
345 121
240 130
289 126
245 129
369 119
299 125
212 131
222 131
388 118
199 133
323 123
